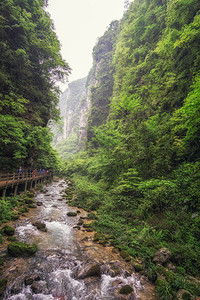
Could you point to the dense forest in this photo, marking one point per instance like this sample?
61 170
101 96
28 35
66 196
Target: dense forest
31 64
140 169
138 173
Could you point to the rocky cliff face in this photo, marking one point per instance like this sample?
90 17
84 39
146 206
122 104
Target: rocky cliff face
85 103
73 104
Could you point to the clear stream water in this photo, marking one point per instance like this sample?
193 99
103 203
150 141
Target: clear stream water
60 257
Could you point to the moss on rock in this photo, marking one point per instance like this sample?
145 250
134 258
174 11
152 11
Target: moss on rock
20 249
8 230
124 254
40 226
126 290
28 200
138 267
72 214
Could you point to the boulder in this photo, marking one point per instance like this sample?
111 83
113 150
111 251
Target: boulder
80 222
28 200
126 290
39 287
21 249
124 254
40 226
30 279
8 230
138 267
162 256
124 293
184 295
114 270
72 214
89 270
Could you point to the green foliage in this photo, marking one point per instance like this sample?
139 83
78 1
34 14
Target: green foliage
31 63
67 148
89 194
103 83
6 206
140 169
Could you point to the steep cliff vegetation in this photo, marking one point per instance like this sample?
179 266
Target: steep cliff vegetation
102 73
141 168
30 65
66 135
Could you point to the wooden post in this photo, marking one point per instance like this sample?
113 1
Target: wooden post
31 187
25 189
15 192
4 192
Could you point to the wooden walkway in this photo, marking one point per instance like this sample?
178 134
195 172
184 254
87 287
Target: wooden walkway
26 178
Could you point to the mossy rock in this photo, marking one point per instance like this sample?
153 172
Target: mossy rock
3 284
32 206
40 226
124 254
30 194
23 209
86 225
126 290
97 237
138 267
21 249
8 230
114 250
72 214
28 200
80 222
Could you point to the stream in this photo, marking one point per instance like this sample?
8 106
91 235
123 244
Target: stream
64 253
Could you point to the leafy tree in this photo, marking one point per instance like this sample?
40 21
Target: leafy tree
31 64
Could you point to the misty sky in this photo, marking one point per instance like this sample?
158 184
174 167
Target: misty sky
78 24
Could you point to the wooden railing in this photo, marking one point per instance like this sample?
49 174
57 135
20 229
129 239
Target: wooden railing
16 178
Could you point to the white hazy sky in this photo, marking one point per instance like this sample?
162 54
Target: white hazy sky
78 24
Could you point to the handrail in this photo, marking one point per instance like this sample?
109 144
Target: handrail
14 178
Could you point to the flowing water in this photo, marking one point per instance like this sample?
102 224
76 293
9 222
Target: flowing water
53 272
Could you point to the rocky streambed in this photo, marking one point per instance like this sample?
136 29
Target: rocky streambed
68 265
